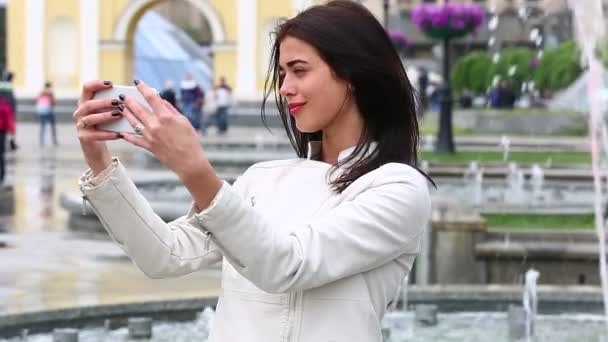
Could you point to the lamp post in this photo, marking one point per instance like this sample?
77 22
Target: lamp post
445 140
443 23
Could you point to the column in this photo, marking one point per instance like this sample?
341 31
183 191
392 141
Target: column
246 50
35 45
89 40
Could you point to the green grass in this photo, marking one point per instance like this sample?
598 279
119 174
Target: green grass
427 128
539 221
526 111
570 158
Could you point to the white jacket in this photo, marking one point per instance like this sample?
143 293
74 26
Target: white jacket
300 262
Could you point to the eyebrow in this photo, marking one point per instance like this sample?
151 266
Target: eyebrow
294 62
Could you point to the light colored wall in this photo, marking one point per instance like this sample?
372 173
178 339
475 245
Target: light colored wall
16 22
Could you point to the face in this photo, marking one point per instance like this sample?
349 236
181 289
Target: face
314 94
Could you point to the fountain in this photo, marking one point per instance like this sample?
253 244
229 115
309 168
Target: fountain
537 177
505 143
591 27
473 180
515 184
530 301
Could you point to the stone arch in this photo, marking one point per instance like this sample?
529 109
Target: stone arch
135 10
126 24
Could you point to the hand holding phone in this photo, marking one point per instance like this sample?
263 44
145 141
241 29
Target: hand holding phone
122 125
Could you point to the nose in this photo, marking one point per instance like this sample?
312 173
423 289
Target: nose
287 88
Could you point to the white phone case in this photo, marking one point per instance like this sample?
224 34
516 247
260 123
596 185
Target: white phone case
121 125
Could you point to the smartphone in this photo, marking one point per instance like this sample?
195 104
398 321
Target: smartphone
121 125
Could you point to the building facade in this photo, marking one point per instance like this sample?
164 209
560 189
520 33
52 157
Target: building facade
70 41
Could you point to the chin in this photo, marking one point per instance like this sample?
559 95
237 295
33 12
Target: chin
304 128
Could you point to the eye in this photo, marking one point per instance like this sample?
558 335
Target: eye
299 71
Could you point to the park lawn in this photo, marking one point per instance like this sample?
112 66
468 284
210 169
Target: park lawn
531 157
539 221
430 128
529 111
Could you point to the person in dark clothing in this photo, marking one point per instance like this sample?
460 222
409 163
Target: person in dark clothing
192 97
502 96
7 127
466 99
168 94
508 95
423 83
8 96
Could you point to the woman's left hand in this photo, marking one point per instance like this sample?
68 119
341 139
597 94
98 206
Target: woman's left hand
166 133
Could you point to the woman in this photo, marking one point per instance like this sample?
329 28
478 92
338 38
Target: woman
313 248
45 104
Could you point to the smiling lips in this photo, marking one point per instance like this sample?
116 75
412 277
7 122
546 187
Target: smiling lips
294 108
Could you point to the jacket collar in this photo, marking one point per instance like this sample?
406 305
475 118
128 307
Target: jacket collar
314 150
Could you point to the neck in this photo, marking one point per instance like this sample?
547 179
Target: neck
343 132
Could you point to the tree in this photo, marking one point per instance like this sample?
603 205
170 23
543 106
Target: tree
471 71
559 67
515 64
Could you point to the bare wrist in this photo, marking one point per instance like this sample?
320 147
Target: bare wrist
202 183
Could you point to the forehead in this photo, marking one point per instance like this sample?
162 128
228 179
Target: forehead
293 48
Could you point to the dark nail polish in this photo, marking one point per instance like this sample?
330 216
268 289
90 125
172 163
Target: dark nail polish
121 107
136 82
107 82
119 136
115 102
122 97
116 113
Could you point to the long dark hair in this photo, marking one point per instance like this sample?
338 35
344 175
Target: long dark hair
357 48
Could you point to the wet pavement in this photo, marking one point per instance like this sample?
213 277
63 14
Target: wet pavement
46 266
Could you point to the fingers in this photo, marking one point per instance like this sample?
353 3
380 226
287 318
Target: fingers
171 108
151 96
91 134
136 140
100 118
91 87
95 106
141 114
134 121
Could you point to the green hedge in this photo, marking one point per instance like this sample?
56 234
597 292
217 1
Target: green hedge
559 67
517 58
471 71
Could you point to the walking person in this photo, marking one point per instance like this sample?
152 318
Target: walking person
313 248
223 102
7 129
7 94
45 105
192 97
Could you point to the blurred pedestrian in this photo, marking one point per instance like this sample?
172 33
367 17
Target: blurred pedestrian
7 128
222 98
192 97
423 83
169 94
7 94
466 99
45 105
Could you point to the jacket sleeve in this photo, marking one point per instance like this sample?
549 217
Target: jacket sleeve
159 249
381 223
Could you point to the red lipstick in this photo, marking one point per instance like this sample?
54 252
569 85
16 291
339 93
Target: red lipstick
294 108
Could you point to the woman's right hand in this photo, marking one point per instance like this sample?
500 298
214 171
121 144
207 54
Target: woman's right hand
91 113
